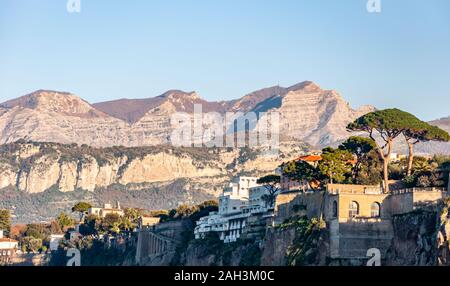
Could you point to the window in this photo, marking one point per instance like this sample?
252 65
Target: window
335 209
375 210
353 209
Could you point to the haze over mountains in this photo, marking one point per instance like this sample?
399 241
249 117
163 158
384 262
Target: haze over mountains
308 113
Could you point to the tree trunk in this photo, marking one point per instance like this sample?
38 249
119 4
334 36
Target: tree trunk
386 174
410 158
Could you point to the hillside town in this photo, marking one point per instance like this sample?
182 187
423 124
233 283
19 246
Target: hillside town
330 207
357 216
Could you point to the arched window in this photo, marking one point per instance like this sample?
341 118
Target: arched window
375 210
353 210
335 209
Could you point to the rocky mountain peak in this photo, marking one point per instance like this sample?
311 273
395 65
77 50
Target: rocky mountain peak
305 86
181 95
54 102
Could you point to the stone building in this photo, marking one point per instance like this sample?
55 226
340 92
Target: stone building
358 217
147 221
107 209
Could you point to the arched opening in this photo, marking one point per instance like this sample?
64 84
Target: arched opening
335 209
375 210
353 209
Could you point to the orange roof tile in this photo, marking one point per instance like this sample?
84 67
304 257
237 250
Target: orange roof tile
310 158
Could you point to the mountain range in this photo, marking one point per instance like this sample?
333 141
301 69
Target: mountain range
118 153
308 113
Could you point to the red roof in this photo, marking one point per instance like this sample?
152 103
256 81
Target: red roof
310 158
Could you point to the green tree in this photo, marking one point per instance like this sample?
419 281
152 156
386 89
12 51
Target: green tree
37 230
31 244
419 131
302 172
335 164
272 184
422 166
65 221
184 210
204 209
111 223
388 124
130 218
91 226
5 221
360 147
82 208
370 170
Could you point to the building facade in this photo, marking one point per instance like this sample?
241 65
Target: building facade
357 217
8 248
240 200
107 209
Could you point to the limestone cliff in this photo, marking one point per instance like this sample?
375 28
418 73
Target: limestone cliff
37 167
54 175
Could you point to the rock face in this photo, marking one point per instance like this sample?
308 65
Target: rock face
308 113
317 116
37 167
39 180
443 123
48 116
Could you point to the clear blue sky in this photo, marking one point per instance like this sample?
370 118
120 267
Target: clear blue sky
224 49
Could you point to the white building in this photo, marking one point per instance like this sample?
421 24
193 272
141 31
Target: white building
258 202
236 196
240 200
55 240
8 248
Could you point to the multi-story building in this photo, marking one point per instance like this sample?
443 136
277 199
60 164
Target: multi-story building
8 248
235 197
55 239
107 209
240 200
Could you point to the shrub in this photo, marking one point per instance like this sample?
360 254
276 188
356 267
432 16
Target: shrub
423 182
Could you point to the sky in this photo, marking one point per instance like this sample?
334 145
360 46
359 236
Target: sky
224 49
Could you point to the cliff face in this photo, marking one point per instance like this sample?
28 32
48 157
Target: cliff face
50 177
414 241
421 238
37 167
317 116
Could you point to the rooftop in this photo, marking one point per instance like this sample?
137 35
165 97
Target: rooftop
310 158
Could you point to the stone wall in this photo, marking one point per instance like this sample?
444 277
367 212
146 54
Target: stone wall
288 205
356 237
157 245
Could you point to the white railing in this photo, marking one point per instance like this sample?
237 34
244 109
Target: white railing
418 190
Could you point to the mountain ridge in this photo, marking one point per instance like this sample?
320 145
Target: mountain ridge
308 113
